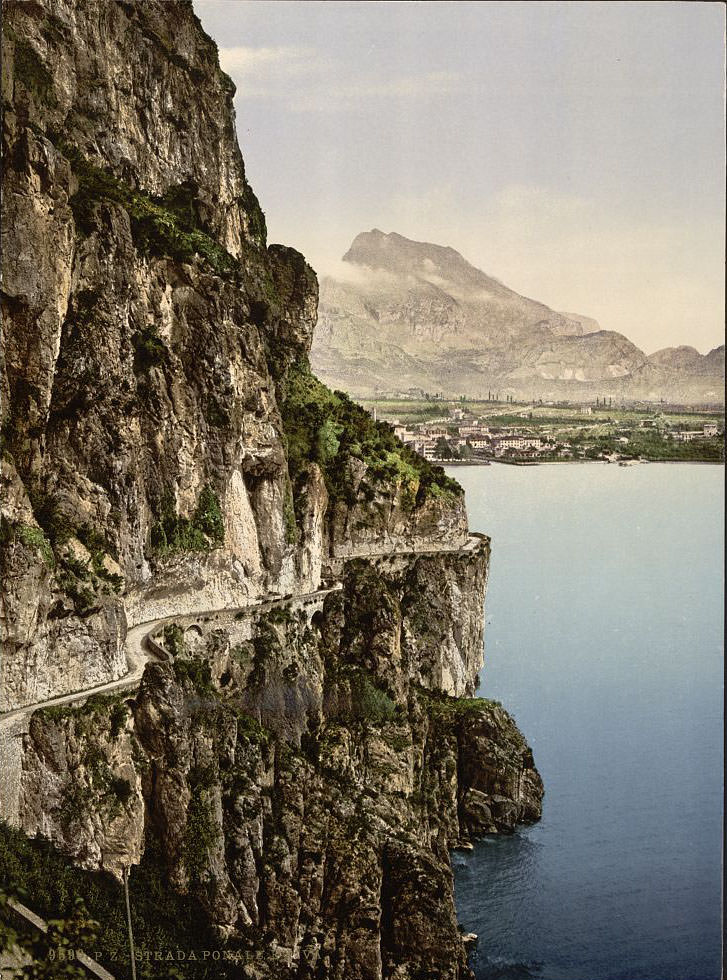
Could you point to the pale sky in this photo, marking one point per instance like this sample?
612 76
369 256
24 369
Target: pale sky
575 151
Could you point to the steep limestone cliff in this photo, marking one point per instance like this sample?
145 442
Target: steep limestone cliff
295 777
302 753
148 335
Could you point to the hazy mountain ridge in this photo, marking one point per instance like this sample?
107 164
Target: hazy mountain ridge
418 315
688 359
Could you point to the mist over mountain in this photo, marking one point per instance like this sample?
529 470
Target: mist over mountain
403 314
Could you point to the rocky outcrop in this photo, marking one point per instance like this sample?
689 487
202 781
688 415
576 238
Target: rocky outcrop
298 781
148 333
46 648
294 771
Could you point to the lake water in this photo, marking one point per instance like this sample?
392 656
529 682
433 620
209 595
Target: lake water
604 640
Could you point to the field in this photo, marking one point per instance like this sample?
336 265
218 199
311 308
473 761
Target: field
534 415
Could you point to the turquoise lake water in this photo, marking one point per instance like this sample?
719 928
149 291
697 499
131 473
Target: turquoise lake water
604 640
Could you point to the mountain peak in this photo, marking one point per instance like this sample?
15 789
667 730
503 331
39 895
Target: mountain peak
419 315
402 256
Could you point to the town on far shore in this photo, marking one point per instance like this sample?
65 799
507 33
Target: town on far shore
467 431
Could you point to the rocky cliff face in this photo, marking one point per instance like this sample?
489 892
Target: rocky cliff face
291 773
418 315
148 332
302 776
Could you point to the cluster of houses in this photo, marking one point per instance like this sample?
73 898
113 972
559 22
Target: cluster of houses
463 437
474 438
708 431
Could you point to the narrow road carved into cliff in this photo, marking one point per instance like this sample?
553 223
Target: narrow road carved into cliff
140 649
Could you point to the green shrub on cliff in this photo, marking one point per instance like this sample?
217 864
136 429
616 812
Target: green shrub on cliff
255 215
48 513
165 225
352 695
328 428
163 919
83 582
52 953
149 349
291 528
173 639
204 530
370 703
31 71
31 537
196 672
98 714
441 705
208 516
201 833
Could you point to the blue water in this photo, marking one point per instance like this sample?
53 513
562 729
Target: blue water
604 640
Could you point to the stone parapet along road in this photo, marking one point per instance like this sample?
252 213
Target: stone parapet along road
141 648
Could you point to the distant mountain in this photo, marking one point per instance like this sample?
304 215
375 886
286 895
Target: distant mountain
688 360
416 315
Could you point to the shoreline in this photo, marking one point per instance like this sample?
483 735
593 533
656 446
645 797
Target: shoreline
580 462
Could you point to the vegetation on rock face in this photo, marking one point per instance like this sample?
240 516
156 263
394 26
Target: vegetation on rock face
256 216
82 581
31 71
251 731
173 639
204 530
99 714
49 515
328 428
345 763
149 349
265 644
369 702
166 225
162 918
99 548
353 696
208 516
196 672
291 528
201 833
52 953
94 785
440 705
31 537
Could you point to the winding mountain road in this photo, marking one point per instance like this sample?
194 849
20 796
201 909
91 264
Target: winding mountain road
138 646
139 650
